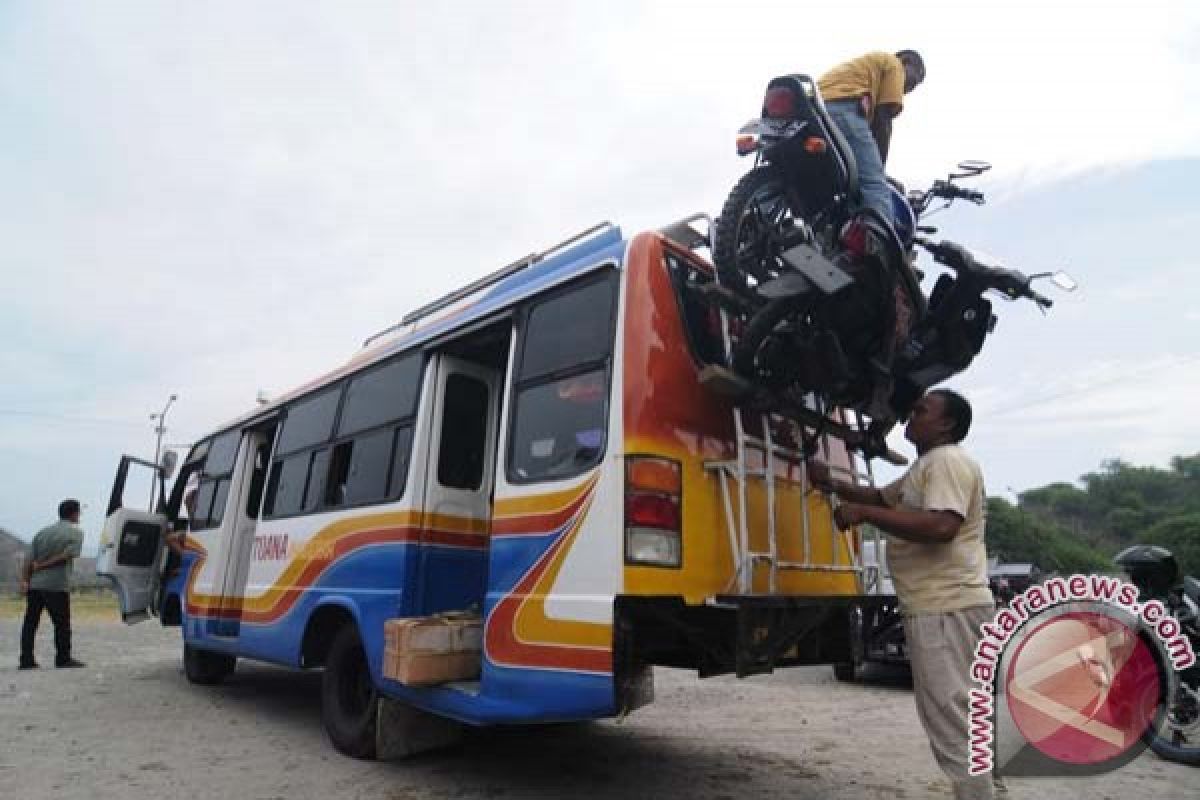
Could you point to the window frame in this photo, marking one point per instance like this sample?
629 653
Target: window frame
215 480
608 273
335 440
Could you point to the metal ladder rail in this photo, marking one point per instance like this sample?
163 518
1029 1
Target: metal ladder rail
735 475
865 476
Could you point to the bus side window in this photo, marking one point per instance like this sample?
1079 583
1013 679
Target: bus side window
560 398
297 480
213 490
464 433
258 480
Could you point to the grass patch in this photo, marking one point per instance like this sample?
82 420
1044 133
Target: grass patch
85 605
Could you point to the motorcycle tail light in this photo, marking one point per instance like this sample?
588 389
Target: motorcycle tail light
746 143
780 102
815 145
854 238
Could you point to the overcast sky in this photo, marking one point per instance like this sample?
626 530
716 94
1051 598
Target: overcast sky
216 198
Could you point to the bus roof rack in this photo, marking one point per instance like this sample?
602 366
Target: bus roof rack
683 232
488 280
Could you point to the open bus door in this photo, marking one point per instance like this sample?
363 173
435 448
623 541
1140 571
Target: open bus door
132 541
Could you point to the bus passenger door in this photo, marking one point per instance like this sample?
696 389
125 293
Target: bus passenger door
459 476
241 518
131 543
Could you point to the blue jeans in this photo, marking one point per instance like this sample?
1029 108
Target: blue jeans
872 181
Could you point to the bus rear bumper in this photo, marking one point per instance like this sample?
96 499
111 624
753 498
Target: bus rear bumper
739 634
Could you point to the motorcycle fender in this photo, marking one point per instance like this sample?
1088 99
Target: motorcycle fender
823 273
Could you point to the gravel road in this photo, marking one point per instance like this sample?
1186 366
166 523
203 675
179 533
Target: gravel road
130 726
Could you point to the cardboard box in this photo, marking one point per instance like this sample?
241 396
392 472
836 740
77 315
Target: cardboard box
442 633
431 669
426 651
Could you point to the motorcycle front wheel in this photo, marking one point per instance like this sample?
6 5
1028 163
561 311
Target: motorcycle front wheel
755 226
1178 738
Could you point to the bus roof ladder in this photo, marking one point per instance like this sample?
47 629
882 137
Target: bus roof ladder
488 280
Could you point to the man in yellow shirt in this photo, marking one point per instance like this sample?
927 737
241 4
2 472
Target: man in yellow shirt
863 96
934 517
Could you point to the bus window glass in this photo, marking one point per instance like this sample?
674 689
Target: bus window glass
204 497
559 427
310 421
367 478
222 453
400 456
317 472
218 507
285 490
382 395
464 433
571 329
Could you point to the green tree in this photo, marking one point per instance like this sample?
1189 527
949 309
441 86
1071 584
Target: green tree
1180 535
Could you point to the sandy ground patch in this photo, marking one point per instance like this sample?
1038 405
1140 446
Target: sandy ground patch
131 726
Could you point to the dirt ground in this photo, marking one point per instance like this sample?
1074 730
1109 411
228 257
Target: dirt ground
131 726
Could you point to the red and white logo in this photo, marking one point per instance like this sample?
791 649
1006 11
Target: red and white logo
1083 687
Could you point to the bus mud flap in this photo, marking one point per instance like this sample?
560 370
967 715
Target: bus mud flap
402 730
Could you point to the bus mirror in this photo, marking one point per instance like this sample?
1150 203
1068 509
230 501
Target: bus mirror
169 460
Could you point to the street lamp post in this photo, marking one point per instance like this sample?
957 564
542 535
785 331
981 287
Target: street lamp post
160 418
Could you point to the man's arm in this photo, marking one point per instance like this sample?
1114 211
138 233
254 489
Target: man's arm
822 478
881 128
52 561
925 527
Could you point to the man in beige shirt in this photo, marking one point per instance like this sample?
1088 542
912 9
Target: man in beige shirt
934 518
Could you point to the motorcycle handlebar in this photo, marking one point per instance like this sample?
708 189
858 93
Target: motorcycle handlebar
950 192
1009 281
1040 299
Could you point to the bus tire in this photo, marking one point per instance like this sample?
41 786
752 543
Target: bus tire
848 672
205 667
349 699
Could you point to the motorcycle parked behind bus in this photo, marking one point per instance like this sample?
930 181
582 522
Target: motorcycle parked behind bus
1155 572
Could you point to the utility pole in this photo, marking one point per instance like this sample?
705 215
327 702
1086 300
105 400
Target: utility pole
160 418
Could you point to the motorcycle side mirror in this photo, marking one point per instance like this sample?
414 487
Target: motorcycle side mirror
970 168
1060 279
1064 281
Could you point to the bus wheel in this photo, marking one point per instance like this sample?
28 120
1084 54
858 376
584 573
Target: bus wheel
206 667
848 672
349 700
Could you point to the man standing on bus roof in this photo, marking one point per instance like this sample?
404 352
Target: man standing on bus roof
934 518
863 95
45 580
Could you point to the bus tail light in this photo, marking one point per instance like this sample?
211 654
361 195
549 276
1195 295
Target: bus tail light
653 511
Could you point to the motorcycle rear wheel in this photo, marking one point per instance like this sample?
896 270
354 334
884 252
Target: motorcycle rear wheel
754 338
755 218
